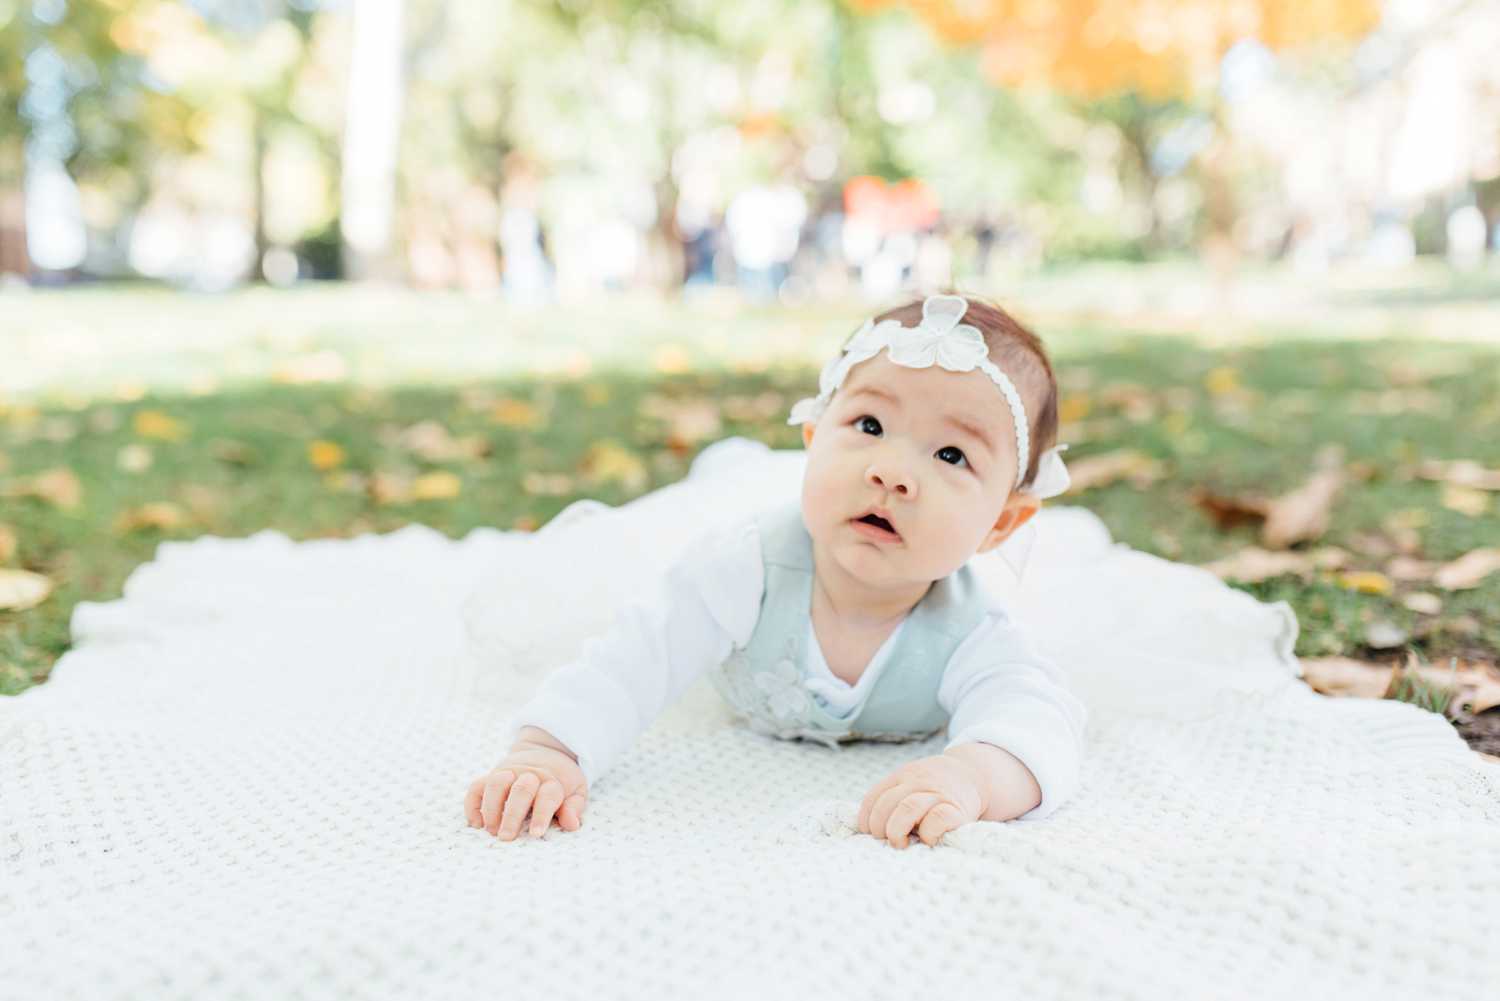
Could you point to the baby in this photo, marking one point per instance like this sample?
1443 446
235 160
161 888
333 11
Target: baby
850 614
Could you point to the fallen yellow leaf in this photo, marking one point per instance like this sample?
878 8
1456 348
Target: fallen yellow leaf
155 424
1073 408
1365 582
160 515
1221 380
7 543
440 485
608 461
596 394
324 455
22 589
515 413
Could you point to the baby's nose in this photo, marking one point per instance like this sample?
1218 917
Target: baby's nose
891 480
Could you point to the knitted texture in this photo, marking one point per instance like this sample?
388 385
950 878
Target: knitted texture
246 778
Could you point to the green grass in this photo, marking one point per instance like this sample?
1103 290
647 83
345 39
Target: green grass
395 359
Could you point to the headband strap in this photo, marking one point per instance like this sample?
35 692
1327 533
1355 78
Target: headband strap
939 339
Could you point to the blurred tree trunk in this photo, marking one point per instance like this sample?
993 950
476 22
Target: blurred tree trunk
372 134
14 257
1220 244
258 191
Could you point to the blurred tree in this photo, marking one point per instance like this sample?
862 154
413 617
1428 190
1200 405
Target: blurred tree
74 92
1140 63
265 45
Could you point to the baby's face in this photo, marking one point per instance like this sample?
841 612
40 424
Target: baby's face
943 486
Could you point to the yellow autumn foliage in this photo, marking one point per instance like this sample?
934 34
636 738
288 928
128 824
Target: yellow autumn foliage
1162 48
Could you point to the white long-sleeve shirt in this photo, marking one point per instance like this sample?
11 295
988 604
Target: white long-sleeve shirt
995 688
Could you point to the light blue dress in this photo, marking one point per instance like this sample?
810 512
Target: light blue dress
765 680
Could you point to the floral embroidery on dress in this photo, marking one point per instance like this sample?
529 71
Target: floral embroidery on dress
784 694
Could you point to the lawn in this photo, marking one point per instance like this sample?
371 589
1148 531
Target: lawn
133 415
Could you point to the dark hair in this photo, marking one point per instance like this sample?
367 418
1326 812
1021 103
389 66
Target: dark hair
1018 353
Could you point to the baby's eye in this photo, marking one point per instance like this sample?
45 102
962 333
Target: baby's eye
861 423
952 448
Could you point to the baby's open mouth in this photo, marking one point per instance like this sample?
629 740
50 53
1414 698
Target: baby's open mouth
879 522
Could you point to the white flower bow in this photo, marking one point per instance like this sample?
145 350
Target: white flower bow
938 339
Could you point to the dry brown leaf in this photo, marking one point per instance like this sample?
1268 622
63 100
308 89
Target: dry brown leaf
160 515
235 453
1468 570
22 589
389 488
1460 472
689 421
59 487
1408 569
1228 512
1475 684
1345 676
1465 500
7 543
1099 470
1303 513
547 484
1253 564
1424 602
750 409
432 442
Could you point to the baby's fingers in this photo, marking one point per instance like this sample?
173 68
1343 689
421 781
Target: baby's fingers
939 821
495 788
516 805
548 798
571 814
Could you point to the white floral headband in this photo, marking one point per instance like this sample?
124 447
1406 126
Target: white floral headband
939 339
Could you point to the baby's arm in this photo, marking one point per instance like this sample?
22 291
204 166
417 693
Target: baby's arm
593 708
1012 715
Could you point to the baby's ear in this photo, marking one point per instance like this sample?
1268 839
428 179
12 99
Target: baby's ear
807 434
1018 510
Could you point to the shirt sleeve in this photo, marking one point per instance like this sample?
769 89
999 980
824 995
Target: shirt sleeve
998 690
600 702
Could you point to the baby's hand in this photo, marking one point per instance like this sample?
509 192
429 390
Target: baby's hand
933 795
549 775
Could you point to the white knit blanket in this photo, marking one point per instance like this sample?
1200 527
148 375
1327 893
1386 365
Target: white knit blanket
246 781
